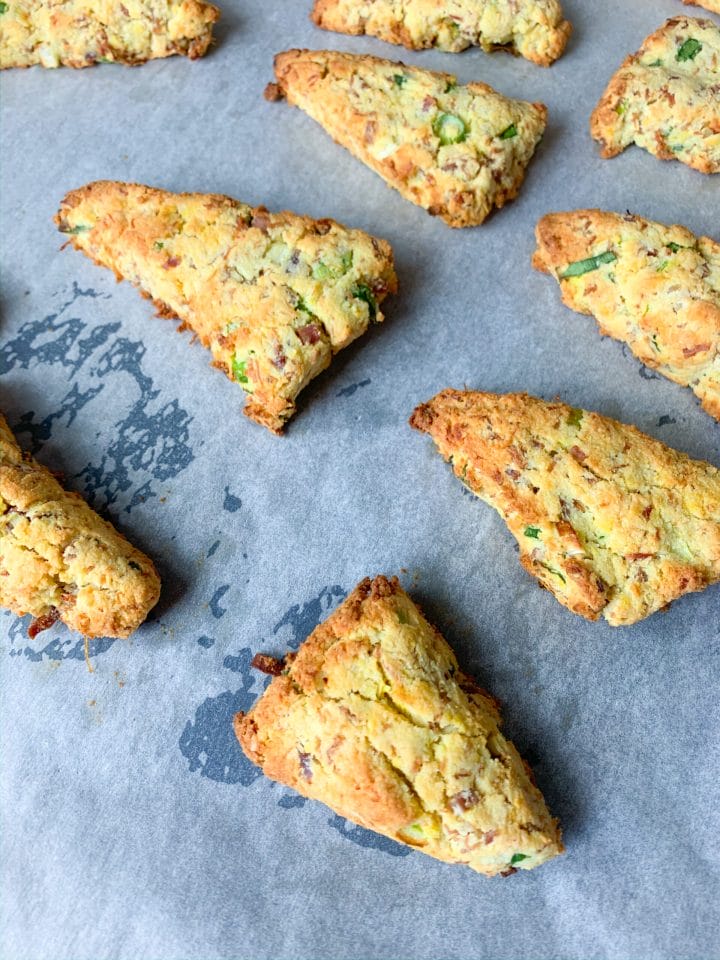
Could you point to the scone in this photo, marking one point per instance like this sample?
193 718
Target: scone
666 97
457 151
609 520
654 286
373 717
535 29
272 295
713 5
60 561
80 33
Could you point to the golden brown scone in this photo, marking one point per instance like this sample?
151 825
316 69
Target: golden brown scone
654 286
535 29
665 97
272 295
374 718
457 151
81 33
713 5
60 561
609 520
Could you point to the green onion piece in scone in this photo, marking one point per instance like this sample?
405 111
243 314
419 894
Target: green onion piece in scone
580 267
509 132
3 7
575 417
363 292
689 50
532 532
518 858
449 129
399 79
238 369
80 228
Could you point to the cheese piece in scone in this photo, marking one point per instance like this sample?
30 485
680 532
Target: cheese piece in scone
666 97
609 520
535 29
373 717
457 151
272 295
60 561
80 33
654 286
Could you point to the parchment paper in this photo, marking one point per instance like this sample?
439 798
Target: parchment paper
132 826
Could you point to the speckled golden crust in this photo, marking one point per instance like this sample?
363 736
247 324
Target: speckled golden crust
394 118
533 28
666 97
60 560
272 295
374 718
661 293
79 33
713 5
609 520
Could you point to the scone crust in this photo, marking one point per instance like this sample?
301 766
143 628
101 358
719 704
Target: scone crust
609 520
713 5
373 718
535 29
272 295
664 97
59 560
658 289
81 33
457 151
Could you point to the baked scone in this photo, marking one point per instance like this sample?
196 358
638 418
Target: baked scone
713 5
609 520
654 286
457 151
373 717
60 561
535 29
272 295
81 33
665 97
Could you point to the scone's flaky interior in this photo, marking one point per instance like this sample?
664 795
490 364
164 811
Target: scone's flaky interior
609 520
656 287
374 718
272 295
458 151
60 561
665 97
80 33
535 29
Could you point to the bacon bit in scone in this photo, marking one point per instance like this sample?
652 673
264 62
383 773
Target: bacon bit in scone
273 92
463 801
489 836
578 454
509 872
692 351
43 623
260 219
171 262
638 556
306 765
647 511
309 334
267 664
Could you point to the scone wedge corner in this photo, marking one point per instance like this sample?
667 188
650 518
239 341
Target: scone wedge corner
458 151
655 287
81 33
273 296
612 522
534 29
665 98
373 717
60 561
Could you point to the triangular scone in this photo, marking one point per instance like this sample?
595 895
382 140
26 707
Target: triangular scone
457 151
535 29
374 718
654 286
665 97
60 561
80 33
272 295
713 5
609 520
